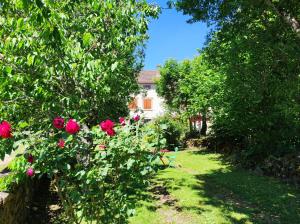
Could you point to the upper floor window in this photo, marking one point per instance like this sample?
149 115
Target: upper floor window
147 104
147 86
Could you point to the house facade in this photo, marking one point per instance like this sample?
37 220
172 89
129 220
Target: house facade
147 101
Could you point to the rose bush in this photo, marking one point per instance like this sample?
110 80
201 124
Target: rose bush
95 174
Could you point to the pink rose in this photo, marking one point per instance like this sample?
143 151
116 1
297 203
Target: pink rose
111 132
122 121
136 117
30 172
61 143
72 127
5 130
30 158
58 122
106 125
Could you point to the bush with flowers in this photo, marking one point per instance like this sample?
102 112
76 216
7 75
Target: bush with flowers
94 171
64 66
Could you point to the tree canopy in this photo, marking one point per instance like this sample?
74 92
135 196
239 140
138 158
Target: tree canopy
79 58
255 47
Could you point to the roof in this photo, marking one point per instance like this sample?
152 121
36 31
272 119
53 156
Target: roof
148 76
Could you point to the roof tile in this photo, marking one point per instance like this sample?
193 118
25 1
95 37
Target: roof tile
148 76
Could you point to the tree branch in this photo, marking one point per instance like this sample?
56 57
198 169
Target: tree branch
287 18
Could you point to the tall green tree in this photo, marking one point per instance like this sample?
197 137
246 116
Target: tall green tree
75 58
191 86
200 84
256 45
168 86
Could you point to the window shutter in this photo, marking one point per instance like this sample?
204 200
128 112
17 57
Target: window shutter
133 104
147 104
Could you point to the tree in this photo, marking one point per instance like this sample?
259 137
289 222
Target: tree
168 85
255 44
75 58
190 86
200 84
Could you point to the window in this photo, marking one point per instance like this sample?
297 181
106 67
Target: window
147 87
147 104
133 104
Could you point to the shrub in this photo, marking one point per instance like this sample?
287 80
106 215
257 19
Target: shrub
172 129
95 172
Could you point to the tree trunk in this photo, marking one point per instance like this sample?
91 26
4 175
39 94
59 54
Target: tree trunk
204 124
287 18
191 124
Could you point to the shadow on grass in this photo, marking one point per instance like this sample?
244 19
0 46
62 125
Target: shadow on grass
237 195
221 157
244 197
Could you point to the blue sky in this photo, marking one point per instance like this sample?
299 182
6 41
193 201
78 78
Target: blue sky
172 37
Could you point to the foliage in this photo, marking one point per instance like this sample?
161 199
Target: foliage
74 58
14 177
255 46
95 173
195 90
172 129
168 85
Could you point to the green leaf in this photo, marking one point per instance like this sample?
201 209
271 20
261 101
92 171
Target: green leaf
87 39
114 66
130 162
30 59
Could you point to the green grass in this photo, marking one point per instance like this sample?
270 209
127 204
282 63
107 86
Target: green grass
206 190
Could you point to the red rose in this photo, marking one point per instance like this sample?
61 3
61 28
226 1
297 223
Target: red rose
106 125
58 122
5 130
30 158
30 172
111 132
61 143
72 127
122 121
136 117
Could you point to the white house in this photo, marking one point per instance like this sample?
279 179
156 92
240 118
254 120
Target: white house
148 101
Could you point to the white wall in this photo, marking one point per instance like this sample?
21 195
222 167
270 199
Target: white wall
157 103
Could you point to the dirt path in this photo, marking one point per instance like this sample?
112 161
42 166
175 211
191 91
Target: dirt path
173 213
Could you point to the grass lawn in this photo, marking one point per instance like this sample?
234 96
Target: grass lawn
203 189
